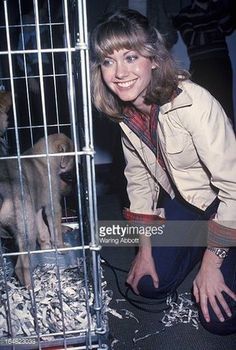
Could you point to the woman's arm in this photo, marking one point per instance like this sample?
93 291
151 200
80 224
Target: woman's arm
143 194
215 143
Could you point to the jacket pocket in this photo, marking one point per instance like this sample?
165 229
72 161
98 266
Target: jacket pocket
180 151
175 144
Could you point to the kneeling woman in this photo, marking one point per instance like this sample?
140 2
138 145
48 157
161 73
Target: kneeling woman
180 152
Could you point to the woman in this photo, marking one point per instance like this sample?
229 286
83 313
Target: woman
178 143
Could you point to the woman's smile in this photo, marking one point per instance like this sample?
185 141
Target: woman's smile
126 84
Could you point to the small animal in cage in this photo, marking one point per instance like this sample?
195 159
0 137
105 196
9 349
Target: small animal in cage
29 199
5 104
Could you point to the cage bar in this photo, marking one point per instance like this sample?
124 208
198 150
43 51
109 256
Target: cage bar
44 63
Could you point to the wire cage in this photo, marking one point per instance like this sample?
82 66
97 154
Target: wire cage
51 288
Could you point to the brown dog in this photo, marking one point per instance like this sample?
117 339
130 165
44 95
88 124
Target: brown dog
5 104
24 202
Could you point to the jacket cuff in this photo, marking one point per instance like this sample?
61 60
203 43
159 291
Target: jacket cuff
221 236
138 217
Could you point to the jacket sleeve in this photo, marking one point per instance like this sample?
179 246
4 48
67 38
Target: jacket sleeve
143 190
214 140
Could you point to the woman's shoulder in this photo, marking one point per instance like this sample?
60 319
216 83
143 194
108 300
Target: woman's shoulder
190 86
193 88
203 108
197 93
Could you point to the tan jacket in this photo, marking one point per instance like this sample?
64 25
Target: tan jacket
199 149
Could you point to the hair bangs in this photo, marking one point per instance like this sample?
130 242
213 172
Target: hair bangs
115 37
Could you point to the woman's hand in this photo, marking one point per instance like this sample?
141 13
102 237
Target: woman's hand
209 285
142 265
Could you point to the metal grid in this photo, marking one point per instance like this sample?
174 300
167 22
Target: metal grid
44 64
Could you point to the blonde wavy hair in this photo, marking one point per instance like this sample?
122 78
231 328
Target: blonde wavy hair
128 29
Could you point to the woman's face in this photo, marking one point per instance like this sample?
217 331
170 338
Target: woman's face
128 75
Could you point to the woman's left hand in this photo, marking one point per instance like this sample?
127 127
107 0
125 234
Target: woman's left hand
209 285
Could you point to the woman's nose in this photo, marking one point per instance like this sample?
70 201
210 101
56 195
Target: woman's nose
121 70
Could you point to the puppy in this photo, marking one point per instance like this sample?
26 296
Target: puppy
59 166
5 104
26 200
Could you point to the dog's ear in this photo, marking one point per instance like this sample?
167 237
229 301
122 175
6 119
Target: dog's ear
5 101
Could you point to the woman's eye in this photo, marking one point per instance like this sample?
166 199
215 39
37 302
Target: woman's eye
107 62
131 58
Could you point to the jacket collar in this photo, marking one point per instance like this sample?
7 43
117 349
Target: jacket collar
183 99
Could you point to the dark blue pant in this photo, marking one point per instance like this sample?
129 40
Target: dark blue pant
174 263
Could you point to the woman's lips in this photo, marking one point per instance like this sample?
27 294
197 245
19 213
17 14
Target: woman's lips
125 84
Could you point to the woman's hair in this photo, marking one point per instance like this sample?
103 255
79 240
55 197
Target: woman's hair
128 29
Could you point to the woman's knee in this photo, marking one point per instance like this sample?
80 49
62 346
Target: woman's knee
219 328
146 289
215 326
